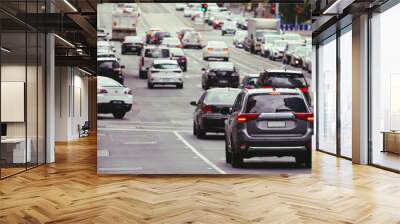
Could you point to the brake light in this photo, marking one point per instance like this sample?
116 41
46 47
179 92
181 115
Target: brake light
226 49
179 46
304 89
210 49
206 109
142 62
305 116
182 58
243 118
267 87
102 91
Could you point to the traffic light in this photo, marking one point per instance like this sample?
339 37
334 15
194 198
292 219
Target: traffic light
273 8
204 7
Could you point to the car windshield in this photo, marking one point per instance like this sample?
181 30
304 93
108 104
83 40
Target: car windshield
280 43
292 37
171 41
107 82
272 38
221 66
293 46
229 25
177 52
251 81
165 66
226 97
285 80
261 33
156 53
275 103
108 64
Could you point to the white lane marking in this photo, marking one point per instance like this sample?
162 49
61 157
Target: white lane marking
139 129
103 153
216 168
140 143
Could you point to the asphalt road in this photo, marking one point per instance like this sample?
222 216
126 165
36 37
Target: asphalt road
156 136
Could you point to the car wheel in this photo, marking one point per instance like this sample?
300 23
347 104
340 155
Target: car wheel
200 132
228 155
179 86
205 58
223 33
119 115
142 75
194 129
150 85
236 160
185 68
226 59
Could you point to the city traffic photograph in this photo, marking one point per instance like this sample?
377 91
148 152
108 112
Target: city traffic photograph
204 88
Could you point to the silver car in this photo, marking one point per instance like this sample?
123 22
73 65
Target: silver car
165 72
217 50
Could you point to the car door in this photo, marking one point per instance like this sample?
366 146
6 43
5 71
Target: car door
197 111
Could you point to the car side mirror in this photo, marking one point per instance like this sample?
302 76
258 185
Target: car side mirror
122 66
226 110
193 103
203 69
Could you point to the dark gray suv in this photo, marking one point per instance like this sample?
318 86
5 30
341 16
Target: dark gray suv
269 122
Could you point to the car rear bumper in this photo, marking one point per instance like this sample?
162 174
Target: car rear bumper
272 145
222 81
113 107
213 123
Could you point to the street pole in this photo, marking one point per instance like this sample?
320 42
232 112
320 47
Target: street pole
276 10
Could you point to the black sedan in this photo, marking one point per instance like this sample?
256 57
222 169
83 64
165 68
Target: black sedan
220 74
207 115
132 44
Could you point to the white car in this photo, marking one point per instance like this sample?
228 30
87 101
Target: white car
238 39
278 49
216 49
113 98
171 42
267 43
192 39
228 27
165 72
101 34
105 45
187 12
149 54
180 6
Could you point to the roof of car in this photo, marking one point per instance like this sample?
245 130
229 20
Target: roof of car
283 71
164 61
133 38
272 90
155 46
252 75
107 59
223 89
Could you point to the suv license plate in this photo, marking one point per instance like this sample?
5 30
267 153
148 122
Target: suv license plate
276 124
117 102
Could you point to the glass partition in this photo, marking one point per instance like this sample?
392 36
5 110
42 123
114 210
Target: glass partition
327 96
346 93
385 89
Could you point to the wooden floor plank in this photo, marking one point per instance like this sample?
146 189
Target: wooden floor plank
70 191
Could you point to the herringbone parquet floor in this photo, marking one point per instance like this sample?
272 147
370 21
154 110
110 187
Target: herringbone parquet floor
70 191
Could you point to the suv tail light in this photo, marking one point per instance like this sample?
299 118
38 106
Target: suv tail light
142 62
267 87
102 91
206 109
304 89
305 116
243 118
225 50
182 58
210 49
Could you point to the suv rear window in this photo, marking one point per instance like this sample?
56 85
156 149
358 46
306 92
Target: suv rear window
156 53
108 64
284 80
268 103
